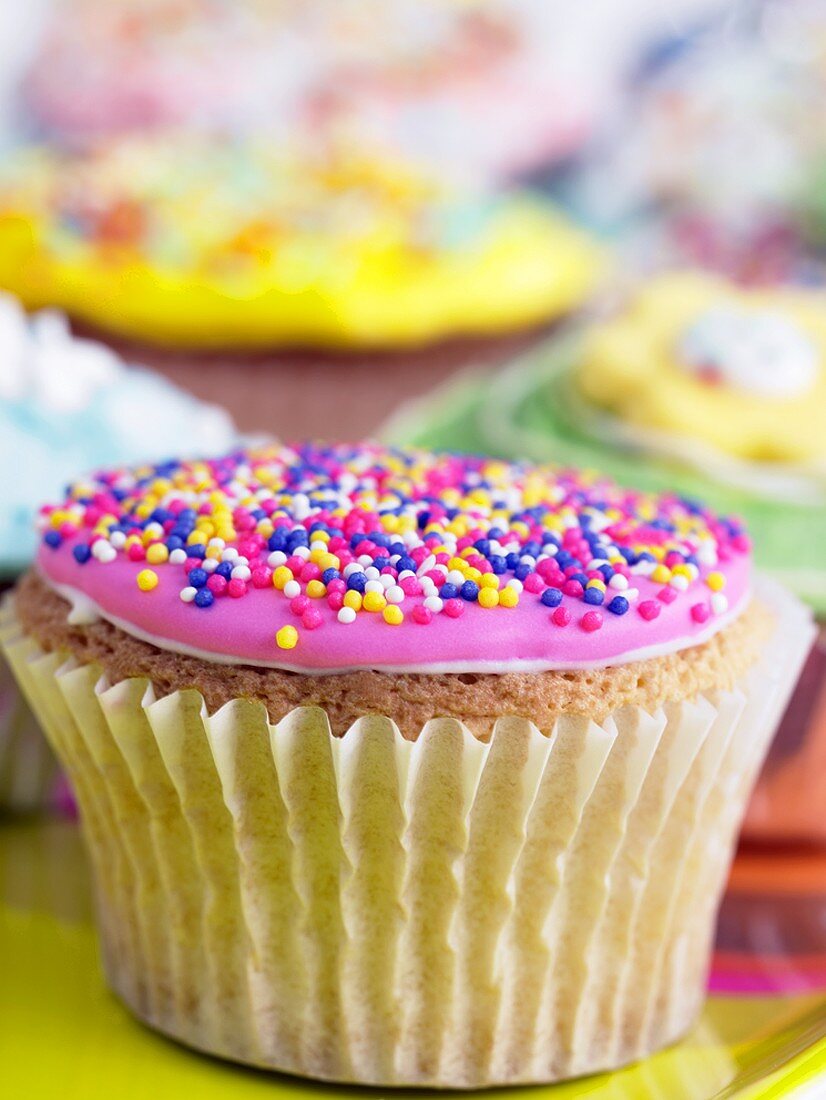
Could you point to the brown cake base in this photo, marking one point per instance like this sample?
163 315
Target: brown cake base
297 393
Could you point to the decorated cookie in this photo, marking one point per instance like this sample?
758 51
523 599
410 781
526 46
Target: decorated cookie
697 360
204 243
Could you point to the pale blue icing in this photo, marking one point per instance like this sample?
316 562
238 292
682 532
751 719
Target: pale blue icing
69 406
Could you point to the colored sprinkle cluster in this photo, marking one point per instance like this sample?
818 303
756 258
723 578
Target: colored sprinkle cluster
346 531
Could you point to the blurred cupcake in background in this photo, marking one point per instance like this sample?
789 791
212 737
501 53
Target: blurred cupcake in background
226 252
486 87
713 158
720 392
65 400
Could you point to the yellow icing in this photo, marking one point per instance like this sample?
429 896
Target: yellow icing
336 253
631 366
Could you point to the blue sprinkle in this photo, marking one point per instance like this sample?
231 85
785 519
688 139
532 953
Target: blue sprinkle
551 597
449 591
198 578
53 539
498 564
223 570
469 591
406 563
522 571
594 596
82 553
196 551
174 542
619 605
356 582
203 597
330 575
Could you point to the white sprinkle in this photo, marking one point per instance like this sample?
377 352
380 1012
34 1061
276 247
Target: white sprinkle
387 580
217 542
643 568
619 582
302 552
276 558
117 539
631 594
364 560
434 604
209 565
679 582
178 557
350 569
292 589
406 573
374 586
515 584
318 544
426 565
230 554
371 573
346 615
719 603
394 594
241 573
188 594
455 577
104 552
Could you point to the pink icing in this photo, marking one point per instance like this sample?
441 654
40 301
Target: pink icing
495 640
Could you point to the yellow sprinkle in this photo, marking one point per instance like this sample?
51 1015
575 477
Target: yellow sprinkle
353 599
286 637
474 575
682 570
316 589
596 583
488 597
329 561
660 574
489 580
508 597
147 580
157 553
716 582
393 614
281 576
374 601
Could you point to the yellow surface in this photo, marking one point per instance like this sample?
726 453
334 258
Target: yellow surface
631 367
197 245
63 1035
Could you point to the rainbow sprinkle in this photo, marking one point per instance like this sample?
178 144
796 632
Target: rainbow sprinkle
402 536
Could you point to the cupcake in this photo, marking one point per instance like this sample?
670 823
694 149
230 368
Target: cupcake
697 383
403 768
220 254
64 400
490 88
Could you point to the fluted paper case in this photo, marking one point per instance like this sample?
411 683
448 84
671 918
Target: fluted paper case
433 912
28 770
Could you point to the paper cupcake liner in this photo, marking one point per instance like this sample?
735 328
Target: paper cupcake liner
433 912
29 773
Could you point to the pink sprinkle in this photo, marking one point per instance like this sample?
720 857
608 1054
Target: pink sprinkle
136 552
741 543
591 621
454 608
295 563
572 588
336 585
310 572
421 615
237 587
192 563
335 600
261 578
299 604
667 594
311 618
700 612
217 584
533 583
649 610
410 586
561 616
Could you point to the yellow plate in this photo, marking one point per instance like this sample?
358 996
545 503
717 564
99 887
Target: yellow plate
63 1035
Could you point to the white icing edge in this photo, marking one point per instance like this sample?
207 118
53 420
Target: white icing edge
86 611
